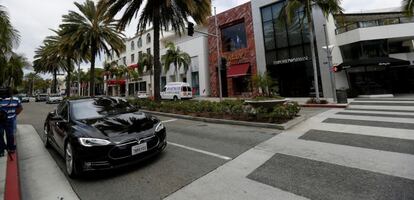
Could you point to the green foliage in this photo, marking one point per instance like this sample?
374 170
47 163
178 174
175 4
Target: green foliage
408 7
315 101
265 84
233 109
177 57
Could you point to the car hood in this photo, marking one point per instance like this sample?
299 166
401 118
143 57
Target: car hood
119 128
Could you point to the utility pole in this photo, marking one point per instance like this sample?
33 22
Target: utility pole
329 54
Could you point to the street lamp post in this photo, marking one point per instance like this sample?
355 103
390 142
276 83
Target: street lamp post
218 55
329 49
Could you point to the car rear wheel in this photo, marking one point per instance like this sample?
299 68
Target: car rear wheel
72 167
175 98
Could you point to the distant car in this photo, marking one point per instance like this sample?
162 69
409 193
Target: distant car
23 98
102 133
41 97
142 95
54 98
177 90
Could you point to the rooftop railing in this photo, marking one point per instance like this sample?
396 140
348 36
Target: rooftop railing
373 23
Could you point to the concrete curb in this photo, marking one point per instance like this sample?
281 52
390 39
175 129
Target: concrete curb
40 176
12 184
283 126
324 105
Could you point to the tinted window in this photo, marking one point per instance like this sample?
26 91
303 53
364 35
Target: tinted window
234 37
63 111
101 107
184 89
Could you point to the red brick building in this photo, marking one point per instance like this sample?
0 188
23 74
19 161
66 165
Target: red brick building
237 47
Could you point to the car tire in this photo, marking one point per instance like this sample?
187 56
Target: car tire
175 98
47 141
72 164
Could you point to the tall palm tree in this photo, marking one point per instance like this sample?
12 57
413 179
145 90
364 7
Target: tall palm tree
31 78
290 12
177 57
9 38
90 31
408 7
14 69
163 15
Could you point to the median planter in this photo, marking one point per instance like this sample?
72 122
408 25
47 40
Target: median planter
278 111
270 103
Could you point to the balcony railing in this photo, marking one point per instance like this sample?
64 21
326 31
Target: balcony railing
373 23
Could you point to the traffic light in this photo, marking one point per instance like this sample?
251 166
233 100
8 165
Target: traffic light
190 29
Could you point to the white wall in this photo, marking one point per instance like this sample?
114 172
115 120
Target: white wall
375 33
196 47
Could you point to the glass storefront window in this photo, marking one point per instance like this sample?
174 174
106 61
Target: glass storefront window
234 37
269 35
267 14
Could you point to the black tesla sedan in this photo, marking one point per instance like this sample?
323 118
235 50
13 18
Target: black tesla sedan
102 133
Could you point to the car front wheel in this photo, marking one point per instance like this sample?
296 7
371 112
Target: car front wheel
72 167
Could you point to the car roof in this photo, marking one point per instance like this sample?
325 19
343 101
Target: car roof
85 99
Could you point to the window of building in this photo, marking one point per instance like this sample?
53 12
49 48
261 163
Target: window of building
148 38
124 60
132 58
148 50
139 42
234 37
132 45
139 55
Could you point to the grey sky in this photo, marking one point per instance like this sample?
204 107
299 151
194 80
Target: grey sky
34 18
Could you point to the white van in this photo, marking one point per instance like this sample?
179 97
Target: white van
177 90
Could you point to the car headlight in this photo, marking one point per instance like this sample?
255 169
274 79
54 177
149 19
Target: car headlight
91 142
159 127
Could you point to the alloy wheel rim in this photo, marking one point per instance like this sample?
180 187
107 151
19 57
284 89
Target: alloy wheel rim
69 159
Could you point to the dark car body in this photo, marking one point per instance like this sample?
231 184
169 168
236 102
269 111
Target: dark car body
111 120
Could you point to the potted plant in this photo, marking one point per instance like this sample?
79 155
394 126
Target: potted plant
267 92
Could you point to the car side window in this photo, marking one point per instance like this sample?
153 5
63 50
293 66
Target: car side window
64 112
164 89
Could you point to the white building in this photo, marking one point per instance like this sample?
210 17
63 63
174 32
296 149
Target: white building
197 75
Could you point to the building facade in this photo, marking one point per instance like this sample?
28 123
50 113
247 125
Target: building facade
236 49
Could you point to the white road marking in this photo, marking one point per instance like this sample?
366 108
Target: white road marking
200 151
170 120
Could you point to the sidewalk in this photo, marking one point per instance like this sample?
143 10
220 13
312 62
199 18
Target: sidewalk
40 177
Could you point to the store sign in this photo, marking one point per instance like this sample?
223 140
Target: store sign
290 60
234 58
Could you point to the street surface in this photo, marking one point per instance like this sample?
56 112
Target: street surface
195 149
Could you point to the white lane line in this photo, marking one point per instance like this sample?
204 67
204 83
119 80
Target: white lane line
200 151
170 120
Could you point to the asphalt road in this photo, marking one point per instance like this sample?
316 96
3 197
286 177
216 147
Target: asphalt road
195 149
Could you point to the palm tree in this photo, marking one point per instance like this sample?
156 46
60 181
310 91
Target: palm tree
146 64
177 57
89 31
408 7
290 12
14 69
9 38
163 15
31 78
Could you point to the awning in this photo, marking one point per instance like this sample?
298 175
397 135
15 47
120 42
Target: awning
116 82
238 70
133 66
381 61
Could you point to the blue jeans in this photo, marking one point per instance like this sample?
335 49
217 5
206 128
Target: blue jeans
10 128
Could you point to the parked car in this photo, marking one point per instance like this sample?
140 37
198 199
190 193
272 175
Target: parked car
142 95
23 98
54 98
177 90
102 133
41 97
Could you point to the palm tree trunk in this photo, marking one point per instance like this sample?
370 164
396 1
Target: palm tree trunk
312 44
176 73
54 81
68 77
92 72
157 63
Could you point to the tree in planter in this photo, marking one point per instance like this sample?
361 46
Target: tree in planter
163 15
177 57
146 64
292 9
264 83
408 7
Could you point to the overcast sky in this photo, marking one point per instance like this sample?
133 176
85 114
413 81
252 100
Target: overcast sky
35 18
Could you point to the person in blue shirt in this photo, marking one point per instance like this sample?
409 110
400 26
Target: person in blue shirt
12 106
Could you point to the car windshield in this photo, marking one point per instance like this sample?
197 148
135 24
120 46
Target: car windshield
101 107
